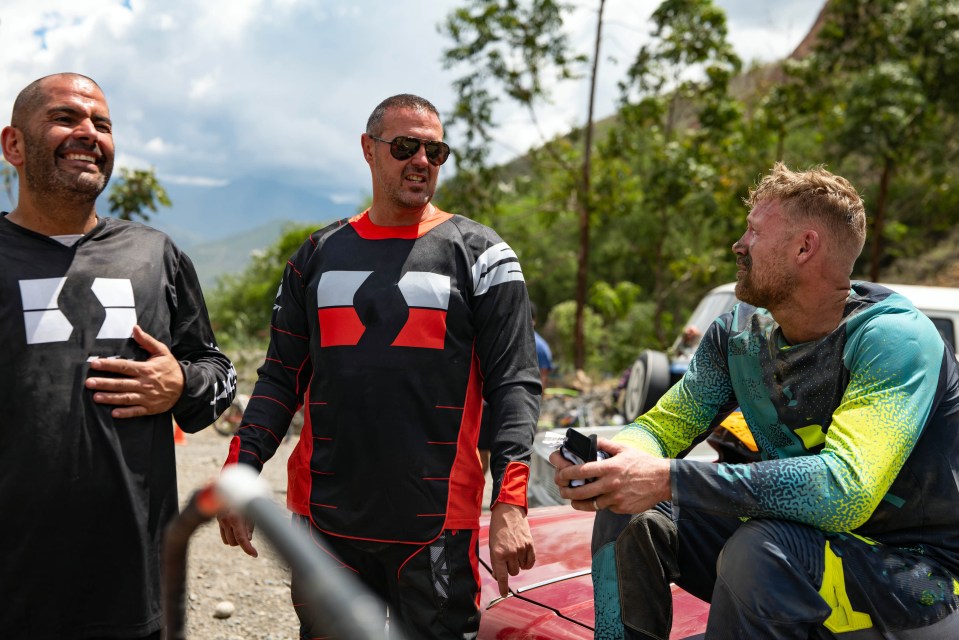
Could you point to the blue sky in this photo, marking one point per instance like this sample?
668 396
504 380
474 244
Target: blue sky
252 109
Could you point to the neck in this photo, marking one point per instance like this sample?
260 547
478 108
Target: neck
54 218
396 217
809 318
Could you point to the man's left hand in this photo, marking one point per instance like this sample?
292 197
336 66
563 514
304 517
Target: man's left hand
510 543
150 387
629 481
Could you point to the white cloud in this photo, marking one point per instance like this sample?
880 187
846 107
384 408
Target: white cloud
233 88
344 198
194 181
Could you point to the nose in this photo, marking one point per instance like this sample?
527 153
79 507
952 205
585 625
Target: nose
738 247
419 158
86 130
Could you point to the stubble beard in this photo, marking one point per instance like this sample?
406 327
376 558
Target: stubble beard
411 200
45 179
769 292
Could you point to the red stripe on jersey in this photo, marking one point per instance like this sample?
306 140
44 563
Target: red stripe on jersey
466 476
233 455
365 228
299 476
425 328
339 326
513 489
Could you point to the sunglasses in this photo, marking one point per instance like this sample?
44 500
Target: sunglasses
405 147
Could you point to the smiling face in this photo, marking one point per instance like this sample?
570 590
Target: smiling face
402 189
764 278
68 141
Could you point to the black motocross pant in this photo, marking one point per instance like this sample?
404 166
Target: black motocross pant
430 591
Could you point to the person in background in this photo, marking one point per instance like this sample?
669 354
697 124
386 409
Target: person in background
847 526
392 328
106 340
544 356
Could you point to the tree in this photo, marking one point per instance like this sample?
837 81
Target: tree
884 73
680 132
514 44
137 191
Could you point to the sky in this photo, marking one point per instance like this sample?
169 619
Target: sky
252 110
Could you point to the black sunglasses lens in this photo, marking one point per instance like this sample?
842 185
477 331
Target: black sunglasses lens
437 152
403 148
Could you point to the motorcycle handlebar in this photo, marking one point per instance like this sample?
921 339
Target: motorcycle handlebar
346 607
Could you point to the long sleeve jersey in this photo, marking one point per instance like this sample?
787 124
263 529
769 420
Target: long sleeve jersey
858 431
84 497
391 337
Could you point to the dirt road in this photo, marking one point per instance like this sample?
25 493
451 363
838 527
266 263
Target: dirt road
258 588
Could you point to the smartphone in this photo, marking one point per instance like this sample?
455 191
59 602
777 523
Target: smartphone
579 448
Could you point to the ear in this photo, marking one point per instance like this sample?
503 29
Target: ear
12 140
809 245
367 143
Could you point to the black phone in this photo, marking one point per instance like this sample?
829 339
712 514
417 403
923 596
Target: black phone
580 445
580 448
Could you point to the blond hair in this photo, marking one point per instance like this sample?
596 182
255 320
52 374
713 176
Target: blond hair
817 194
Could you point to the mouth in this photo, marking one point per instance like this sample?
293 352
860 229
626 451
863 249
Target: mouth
83 157
416 178
80 157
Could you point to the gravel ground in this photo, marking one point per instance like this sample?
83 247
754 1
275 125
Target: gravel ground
258 588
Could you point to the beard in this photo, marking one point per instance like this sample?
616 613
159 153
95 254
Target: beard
769 290
44 177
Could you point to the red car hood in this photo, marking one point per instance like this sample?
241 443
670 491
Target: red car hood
560 580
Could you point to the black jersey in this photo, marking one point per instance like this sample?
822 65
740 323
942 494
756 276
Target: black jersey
84 497
393 336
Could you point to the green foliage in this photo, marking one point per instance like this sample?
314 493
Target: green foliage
877 102
517 44
135 192
241 305
561 333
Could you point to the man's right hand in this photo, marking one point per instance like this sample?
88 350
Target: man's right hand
236 531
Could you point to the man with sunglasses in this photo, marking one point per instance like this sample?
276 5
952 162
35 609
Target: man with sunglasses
392 327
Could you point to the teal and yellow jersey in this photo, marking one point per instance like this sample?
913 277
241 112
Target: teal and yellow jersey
858 431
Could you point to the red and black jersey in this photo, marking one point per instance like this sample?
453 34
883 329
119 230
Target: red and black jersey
84 497
392 337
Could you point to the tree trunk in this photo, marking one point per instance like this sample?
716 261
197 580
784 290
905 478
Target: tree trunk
583 201
879 222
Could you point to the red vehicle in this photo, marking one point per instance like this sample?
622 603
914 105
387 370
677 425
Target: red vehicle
554 599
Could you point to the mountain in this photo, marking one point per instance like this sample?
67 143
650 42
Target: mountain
220 226
204 214
231 254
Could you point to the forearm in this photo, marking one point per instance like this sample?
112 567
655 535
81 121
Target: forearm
514 411
803 489
209 386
